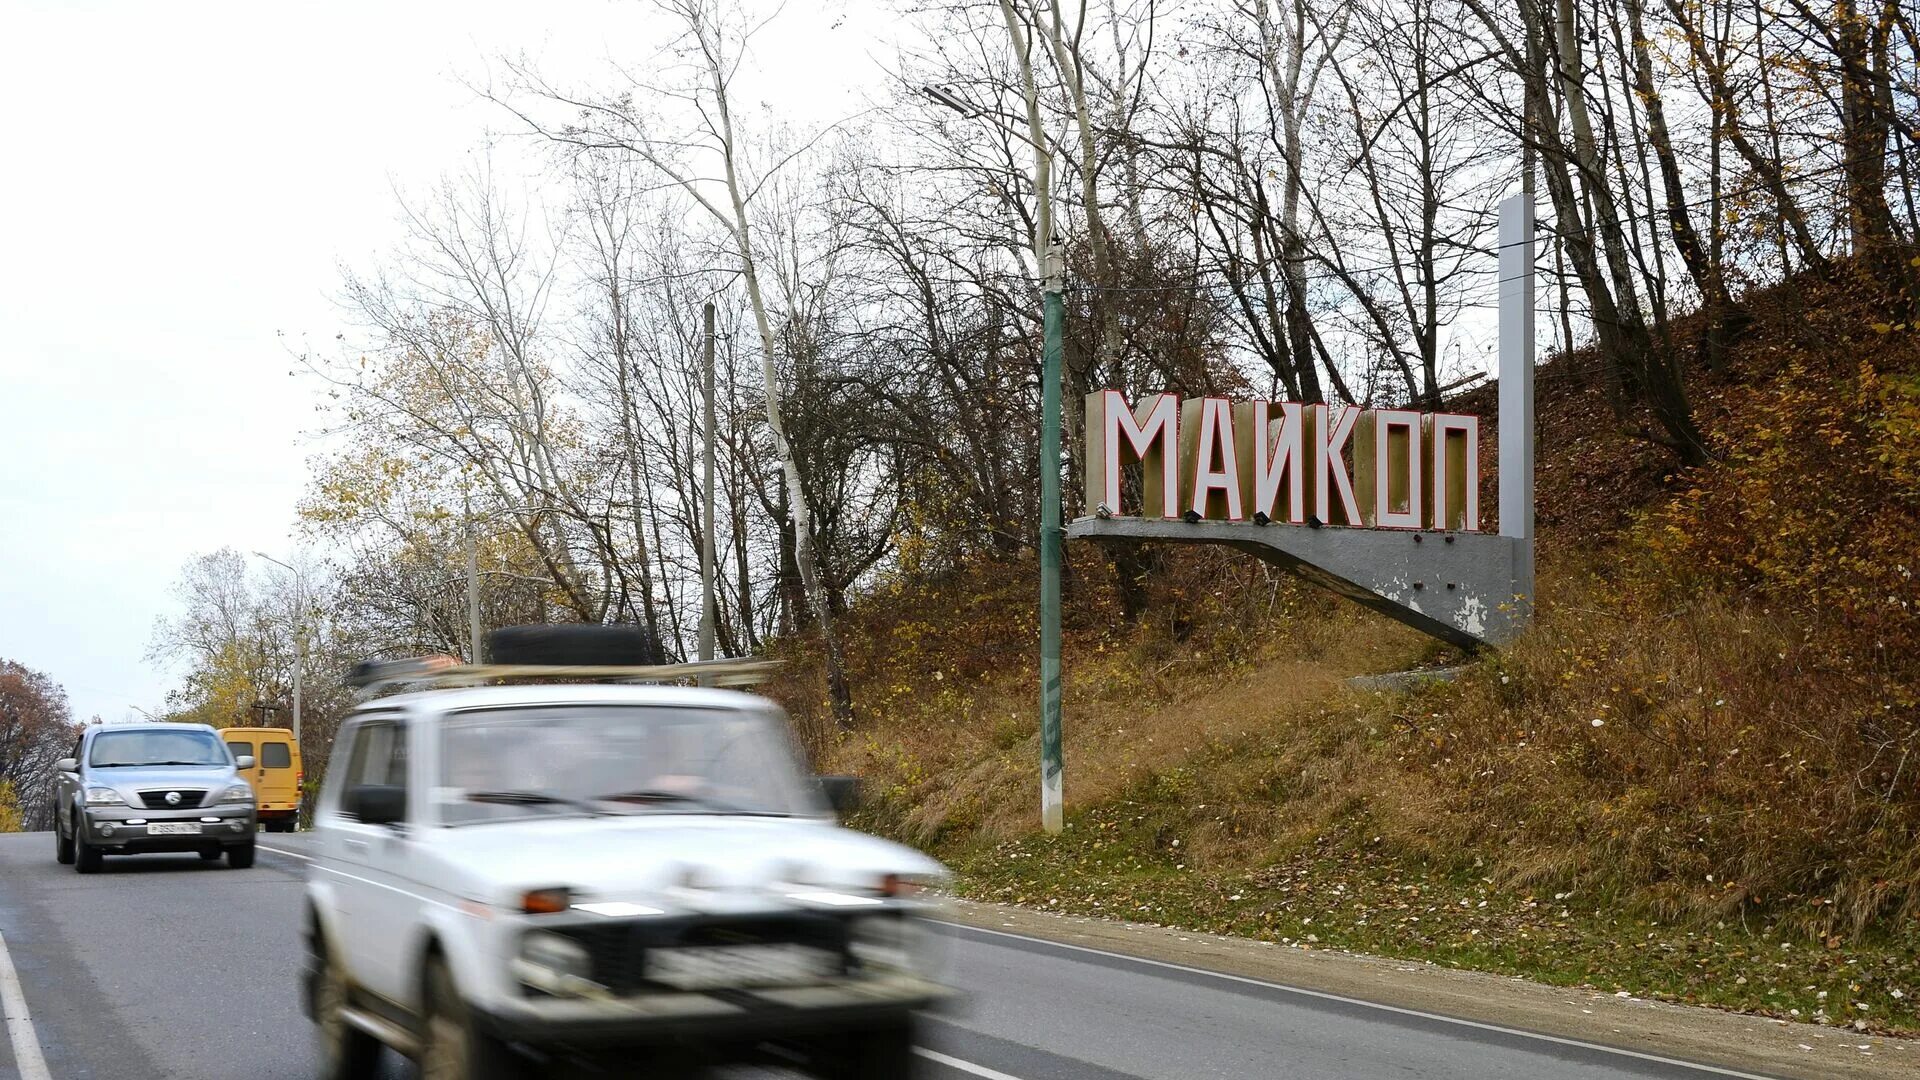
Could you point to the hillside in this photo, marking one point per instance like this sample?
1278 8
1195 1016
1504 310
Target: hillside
1696 777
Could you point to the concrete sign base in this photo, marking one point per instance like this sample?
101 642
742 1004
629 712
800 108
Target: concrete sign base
1469 589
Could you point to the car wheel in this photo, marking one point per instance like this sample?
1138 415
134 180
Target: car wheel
451 1047
86 858
62 846
346 1052
240 856
878 1054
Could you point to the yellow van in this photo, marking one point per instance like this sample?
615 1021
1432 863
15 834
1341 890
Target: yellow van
276 774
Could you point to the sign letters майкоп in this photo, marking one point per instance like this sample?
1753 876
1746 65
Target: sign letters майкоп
1284 462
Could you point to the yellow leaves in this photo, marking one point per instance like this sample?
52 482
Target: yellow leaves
12 818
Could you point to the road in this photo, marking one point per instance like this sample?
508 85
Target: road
165 967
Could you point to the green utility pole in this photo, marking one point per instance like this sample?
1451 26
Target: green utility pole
1052 554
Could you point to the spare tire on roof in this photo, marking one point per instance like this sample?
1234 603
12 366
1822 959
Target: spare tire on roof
574 644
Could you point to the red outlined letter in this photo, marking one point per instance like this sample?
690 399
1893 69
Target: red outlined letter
1152 433
1385 421
1330 465
1216 464
1456 498
1280 450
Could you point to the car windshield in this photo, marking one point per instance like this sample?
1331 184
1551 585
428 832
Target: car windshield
113 748
631 759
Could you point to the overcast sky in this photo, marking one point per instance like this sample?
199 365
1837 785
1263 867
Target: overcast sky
181 184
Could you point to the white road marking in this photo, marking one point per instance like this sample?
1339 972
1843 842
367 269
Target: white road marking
967 1067
1343 999
13 1002
284 851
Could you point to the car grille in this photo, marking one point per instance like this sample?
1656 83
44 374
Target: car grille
156 799
619 950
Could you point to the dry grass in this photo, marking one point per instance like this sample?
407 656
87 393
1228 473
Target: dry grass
1714 722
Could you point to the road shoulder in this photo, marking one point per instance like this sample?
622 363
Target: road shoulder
1736 1041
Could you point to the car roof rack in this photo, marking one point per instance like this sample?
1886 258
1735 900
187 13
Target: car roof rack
372 676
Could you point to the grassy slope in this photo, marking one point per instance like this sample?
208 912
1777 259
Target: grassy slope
1666 788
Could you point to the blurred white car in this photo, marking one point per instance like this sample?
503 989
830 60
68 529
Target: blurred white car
511 874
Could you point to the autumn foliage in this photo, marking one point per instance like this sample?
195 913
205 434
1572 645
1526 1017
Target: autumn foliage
1715 717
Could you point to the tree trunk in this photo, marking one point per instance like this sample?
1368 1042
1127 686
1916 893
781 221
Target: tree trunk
805 556
1701 266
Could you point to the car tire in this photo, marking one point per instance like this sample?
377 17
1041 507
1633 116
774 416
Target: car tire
876 1054
62 846
346 1052
86 858
240 856
451 1046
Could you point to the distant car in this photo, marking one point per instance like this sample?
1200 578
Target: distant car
569 870
135 789
276 775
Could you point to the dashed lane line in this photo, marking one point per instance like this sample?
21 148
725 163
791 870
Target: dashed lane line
967 1067
13 1002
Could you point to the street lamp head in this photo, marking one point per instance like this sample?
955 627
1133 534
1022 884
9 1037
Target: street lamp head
277 562
946 97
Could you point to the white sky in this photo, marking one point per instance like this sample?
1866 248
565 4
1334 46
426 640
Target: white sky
178 184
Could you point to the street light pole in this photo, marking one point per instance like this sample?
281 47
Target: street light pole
1052 549
473 584
299 636
708 613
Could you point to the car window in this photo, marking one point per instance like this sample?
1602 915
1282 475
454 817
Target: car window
513 763
275 755
378 755
166 747
240 749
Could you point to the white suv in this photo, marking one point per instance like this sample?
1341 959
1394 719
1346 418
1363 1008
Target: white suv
521 873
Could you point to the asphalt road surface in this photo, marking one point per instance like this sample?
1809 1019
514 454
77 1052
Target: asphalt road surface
166 968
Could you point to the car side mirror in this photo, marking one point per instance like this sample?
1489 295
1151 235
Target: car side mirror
243 762
67 764
842 792
375 804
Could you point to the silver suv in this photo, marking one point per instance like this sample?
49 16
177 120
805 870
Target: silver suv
138 788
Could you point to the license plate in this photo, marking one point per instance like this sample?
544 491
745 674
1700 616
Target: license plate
737 965
183 828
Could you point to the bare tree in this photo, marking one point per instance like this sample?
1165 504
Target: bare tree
714 48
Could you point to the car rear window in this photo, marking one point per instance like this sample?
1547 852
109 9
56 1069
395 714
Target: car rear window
275 755
240 749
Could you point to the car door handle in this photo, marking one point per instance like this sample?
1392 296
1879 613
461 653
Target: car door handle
358 847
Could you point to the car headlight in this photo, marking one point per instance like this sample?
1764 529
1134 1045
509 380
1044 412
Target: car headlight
238 793
103 796
889 943
555 964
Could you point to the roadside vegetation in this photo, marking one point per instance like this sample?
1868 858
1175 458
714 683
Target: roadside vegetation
36 729
1697 777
